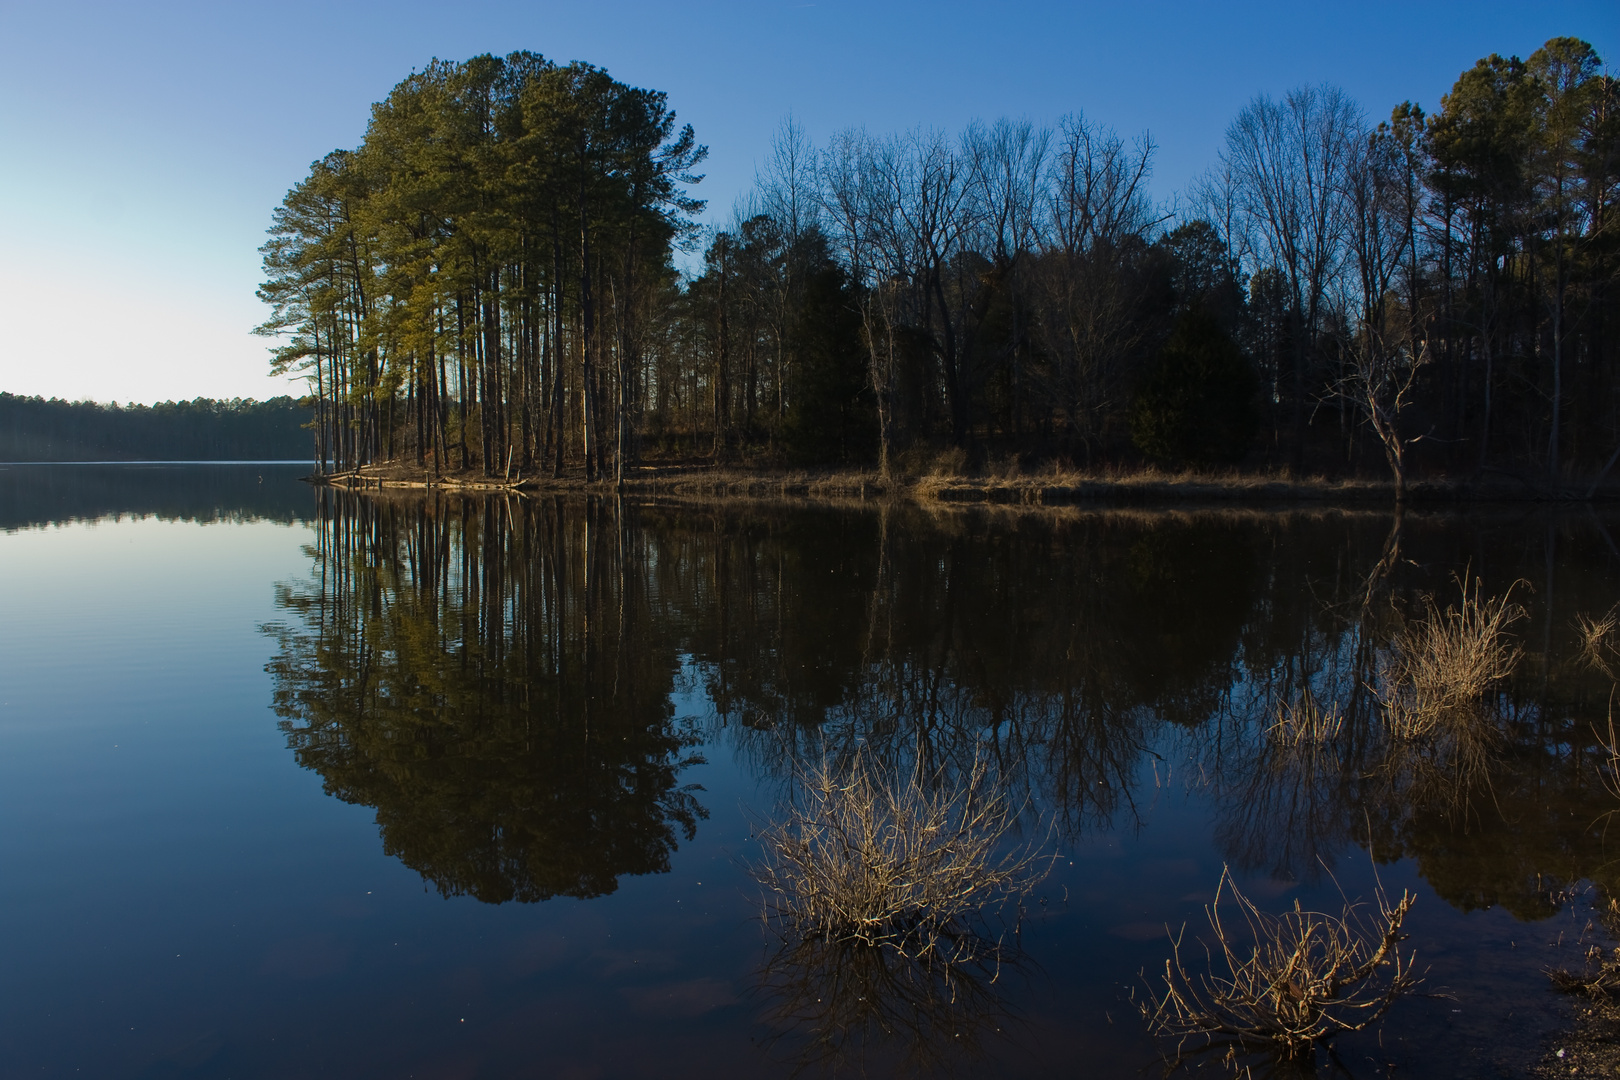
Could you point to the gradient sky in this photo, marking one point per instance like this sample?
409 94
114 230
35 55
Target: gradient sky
142 146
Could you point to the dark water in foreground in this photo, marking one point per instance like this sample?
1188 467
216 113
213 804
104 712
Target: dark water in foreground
295 785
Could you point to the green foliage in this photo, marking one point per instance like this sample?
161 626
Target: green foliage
495 207
832 418
1196 405
1203 271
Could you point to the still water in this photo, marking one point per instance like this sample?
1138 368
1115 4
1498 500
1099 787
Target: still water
299 784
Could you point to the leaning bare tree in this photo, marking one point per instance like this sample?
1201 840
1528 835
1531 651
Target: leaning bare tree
1380 375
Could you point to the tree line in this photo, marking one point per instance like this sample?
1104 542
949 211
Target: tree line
489 282
203 429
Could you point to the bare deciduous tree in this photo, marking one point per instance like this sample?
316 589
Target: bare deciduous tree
1287 164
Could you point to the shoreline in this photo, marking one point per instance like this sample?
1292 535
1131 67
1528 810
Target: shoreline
1148 487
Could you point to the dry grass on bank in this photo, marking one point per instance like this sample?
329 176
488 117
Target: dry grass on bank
1591 1047
904 862
1058 485
945 481
1284 982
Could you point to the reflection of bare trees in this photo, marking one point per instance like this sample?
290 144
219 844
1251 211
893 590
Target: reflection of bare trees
1294 807
1458 789
956 637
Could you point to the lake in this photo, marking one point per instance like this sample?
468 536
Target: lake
301 783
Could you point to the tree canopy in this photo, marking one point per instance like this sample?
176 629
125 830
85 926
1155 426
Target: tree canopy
488 282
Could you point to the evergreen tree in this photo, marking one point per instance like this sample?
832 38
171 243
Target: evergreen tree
1196 404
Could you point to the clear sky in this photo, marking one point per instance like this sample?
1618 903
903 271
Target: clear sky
142 146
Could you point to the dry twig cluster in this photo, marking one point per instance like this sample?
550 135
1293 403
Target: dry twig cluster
1599 976
1285 981
900 862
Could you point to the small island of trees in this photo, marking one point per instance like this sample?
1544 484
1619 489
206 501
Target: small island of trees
489 283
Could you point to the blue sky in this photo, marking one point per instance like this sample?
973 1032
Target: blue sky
142 146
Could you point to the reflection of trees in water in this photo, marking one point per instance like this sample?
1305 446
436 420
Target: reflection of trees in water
1496 805
495 676
1074 645
488 676
1062 645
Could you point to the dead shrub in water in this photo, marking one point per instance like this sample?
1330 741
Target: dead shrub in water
1285 982
1609 771
1445 664
907 863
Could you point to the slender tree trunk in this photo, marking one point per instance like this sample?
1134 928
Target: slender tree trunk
587 309
722 366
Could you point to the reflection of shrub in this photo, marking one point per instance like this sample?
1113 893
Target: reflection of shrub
1598 639
1285 981
837 1000
904 862
1196 404
1446 663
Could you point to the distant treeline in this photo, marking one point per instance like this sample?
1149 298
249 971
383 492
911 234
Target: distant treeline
37 429
488 279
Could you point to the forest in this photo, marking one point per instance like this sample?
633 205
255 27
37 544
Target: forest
203 429
490 282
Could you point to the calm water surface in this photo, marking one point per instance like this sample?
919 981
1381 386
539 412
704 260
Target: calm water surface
300 785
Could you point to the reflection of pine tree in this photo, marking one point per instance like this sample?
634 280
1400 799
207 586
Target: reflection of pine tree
487 678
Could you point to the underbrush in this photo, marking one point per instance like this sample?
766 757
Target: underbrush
1284 982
